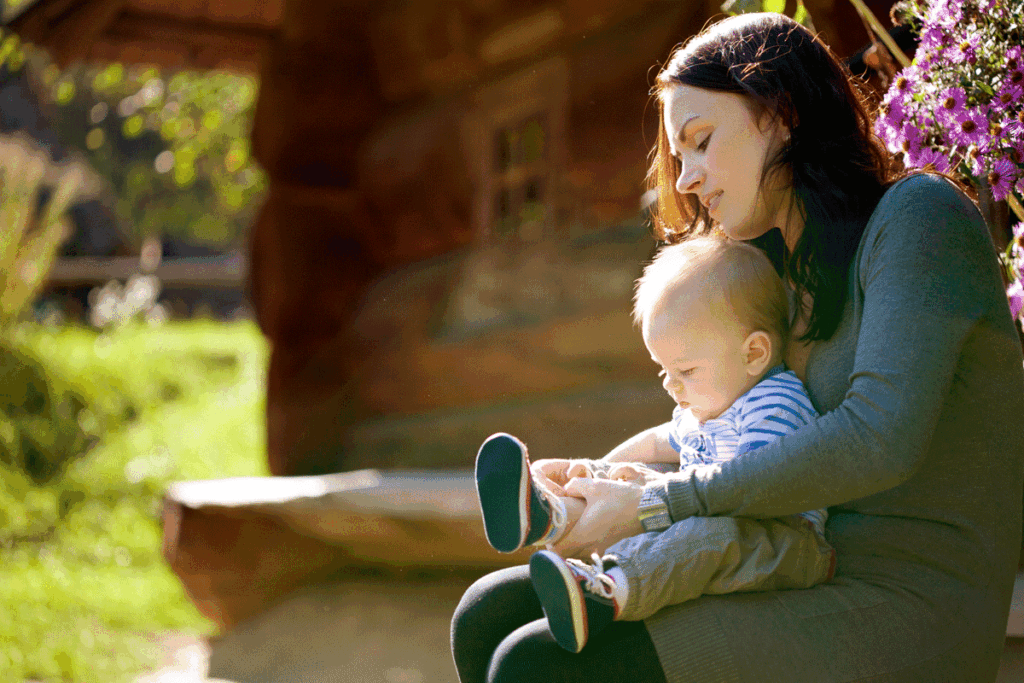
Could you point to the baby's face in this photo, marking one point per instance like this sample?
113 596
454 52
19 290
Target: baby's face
700 349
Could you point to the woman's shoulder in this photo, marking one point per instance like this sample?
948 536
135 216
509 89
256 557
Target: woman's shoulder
924 205
922 191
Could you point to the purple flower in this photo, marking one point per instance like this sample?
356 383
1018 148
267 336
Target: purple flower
1008 95
1015 294
976 158
1014 127
929 156
1012 56
1018 231
893 111
901 87
1001 178
935 39
951 103
893 114
969 127
945 14
896 110
909 142
1015 76
1013 141
964 51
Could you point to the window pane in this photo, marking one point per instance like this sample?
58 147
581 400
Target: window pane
531 213
532 140
506 144
505 218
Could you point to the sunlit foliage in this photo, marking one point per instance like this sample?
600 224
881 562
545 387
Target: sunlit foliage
173 146
35 194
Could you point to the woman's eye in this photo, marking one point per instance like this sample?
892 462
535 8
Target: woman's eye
704 144
687 372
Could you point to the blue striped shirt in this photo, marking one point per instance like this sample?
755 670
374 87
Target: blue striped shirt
775 406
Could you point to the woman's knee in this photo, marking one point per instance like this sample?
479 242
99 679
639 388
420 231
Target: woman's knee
505 593
529 653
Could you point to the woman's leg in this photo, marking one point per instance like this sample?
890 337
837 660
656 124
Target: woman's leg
621 653
499 635
493 607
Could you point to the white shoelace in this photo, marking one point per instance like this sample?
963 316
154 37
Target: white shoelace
594 578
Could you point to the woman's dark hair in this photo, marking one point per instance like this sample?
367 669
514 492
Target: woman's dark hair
838 167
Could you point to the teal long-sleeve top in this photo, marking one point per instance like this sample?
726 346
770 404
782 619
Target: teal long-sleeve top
918 452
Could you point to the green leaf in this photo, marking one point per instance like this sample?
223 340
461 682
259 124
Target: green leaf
778 6
741 6
801 15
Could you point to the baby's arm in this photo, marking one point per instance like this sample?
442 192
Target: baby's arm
648 447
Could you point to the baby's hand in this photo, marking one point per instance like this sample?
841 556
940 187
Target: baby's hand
579 469
625 471
633 472
551 474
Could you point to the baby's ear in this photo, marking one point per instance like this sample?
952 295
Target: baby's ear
757 352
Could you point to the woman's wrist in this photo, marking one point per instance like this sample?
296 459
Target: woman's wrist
668 499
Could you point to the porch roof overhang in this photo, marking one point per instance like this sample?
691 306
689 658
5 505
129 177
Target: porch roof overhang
199 34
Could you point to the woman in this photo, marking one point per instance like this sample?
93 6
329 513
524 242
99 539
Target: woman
905 342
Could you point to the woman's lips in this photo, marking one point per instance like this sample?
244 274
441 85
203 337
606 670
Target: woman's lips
715 199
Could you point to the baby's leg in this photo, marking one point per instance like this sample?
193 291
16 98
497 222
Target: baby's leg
518 508
716 555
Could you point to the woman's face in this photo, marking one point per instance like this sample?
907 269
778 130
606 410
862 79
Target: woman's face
722 148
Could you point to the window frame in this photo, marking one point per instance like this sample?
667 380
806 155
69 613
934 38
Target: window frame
541 92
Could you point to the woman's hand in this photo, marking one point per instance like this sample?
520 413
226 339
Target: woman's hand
610 516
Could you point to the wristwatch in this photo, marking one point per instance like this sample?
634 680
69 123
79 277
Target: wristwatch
653 509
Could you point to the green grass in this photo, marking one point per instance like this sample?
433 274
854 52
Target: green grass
83 586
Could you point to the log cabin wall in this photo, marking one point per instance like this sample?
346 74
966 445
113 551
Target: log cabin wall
453 222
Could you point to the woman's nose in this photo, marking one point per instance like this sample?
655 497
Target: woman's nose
690 178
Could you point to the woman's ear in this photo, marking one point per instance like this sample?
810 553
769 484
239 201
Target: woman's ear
757 352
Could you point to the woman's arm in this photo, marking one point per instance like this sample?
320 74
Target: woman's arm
928 274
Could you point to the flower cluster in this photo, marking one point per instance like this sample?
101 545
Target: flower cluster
959 107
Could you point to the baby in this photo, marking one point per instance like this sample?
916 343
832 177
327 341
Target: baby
714 316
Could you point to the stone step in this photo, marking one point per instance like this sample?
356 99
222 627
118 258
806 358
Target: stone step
239 544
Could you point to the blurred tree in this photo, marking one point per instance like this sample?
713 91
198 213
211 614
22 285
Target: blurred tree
174 147
35 194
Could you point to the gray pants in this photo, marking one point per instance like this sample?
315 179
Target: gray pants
718 555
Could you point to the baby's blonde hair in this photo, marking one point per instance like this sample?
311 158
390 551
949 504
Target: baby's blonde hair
735 273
